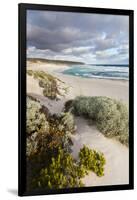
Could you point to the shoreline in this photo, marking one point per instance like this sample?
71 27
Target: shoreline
86 78
58 69
117 89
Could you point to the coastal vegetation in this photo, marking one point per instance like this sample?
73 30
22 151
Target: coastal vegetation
109 115
52 87
46 131
50 163
66 172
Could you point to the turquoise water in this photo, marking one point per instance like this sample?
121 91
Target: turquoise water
99 71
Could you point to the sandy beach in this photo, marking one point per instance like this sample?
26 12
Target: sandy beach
117 89
117 155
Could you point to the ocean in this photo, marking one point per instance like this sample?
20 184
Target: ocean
99 71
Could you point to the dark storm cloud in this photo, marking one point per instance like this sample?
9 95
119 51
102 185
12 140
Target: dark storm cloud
74 35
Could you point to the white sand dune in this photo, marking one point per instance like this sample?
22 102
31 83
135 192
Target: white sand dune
116 154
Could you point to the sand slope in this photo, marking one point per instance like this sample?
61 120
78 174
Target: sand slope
116 154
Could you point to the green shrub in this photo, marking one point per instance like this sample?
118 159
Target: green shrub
110 116
53 130
49 162
44 136
92 160
61 127
36 121
67 122
65 172
37 127
67 125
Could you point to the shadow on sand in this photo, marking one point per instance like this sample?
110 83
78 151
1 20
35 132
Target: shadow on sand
13 191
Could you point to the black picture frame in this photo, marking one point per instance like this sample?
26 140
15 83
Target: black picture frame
22 97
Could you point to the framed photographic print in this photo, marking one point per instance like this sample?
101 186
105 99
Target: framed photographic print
75 99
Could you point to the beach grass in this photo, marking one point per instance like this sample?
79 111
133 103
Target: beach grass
49 84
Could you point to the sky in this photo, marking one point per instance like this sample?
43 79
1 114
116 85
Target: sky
88 38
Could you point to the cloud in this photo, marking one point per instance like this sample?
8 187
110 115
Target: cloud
33 52
91 37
